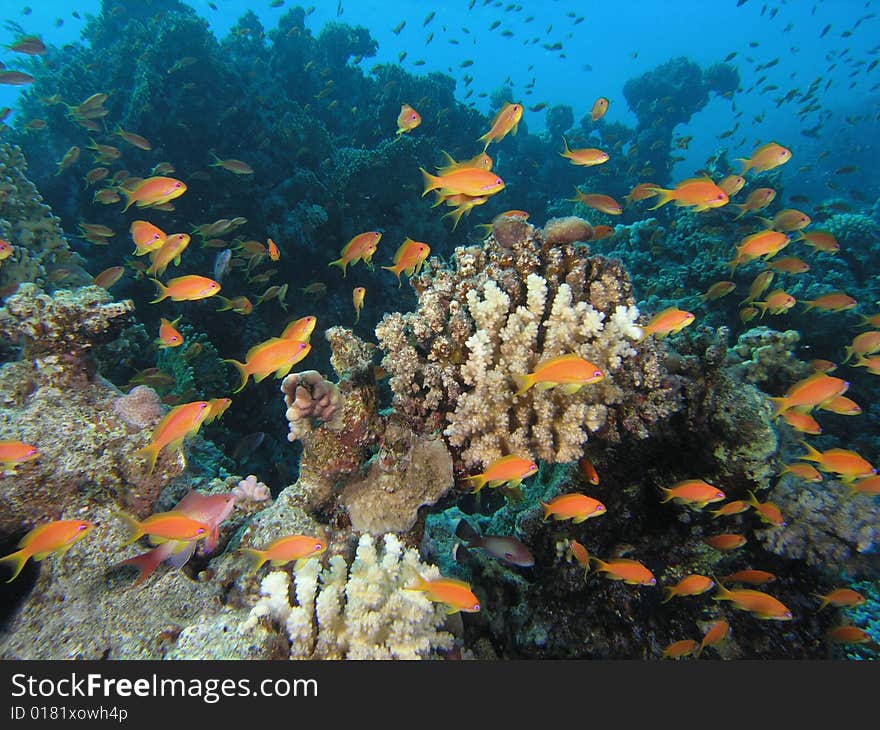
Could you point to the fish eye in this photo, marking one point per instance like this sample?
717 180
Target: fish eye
476 606
201 531
81 528
319 546
597 374
600 508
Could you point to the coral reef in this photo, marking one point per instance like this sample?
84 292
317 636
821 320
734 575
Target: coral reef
309 397
499 310
767 358
361 611
252 490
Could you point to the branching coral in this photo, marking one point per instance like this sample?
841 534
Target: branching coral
310 397
500 310
360 611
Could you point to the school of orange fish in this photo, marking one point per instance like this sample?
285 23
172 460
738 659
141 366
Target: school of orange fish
463 186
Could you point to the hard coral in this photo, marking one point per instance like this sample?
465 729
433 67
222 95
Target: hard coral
361 611
497 312
310 397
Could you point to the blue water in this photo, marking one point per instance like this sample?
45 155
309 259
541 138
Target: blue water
616 41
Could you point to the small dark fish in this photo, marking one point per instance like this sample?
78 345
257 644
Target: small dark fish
221 264
246 445
506 549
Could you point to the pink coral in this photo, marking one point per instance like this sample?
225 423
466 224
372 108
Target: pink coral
252 490
140 407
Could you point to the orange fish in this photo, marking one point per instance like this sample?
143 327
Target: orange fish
180 422
456 594
806 472
848 635
693 492
642 191
757 200
842 406
750 577
30 45
284 549
864 344
241 305
575 507
600 107
699 193
357 298
668 322
761 605
410 258
768 512
821 241
603 203
588 470
172 249
764 244
506 121
164 525
153 191
6 249
732 184
841 598
691 585
871 363
601 232
277 355
186 289
789 265
239 167
168 334
147 237
482 161
680 649
767 157
408 119
868 485
41 542
725 542
810 392
717 290
469 181
777 302
848 465
822 366
510 470
360 248
731 508
572 372
109 277
580 554
790 219
802 422
834 302
585 157
300 329
134 139
16 452
274 251
631 572
759 285
717 633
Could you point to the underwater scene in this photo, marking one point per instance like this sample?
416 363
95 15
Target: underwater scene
463 330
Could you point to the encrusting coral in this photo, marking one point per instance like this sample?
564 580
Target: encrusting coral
499 310
361 611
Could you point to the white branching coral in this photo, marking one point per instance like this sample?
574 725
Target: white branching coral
357 612
499 311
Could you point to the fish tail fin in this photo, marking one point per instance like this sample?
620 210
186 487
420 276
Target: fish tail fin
465 531
242 371
393 269
824 600
780 406
146 563
432 182
752 500
478 481
811 304
600 564
723 594
670 594
667 495
766 221
455 215
15 561
342 264
746 163
215 159
161 291
256 558
488 138
523 383
420 582
151 454
128 196
227 304
135 529
849 353
663 197
567 148
812 454
743 209
488 227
